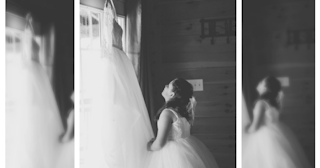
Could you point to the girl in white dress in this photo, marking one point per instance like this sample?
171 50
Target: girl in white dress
174 147
267 142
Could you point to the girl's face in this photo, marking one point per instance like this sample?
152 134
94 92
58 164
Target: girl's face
167 92
261 88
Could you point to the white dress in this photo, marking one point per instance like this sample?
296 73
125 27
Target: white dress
117 128
273 145
182 150
33 122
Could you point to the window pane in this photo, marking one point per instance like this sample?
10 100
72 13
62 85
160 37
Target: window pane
95 24
122 23
84 23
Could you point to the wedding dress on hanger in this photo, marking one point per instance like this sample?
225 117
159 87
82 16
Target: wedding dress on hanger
117 128
33 125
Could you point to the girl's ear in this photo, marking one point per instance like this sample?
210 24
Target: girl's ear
172 94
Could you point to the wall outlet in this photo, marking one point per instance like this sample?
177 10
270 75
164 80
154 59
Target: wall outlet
197 84
285 82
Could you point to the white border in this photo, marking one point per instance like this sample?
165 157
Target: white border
77 83
317 90
2 84
239 84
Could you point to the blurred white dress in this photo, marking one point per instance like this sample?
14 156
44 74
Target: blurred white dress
273 145
33 122
117 128
182 150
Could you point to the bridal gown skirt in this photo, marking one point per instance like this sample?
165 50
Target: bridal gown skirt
66 155
33 123
117 128
273 146
183 153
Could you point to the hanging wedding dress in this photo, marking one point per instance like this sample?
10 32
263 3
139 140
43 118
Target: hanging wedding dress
33 123
117 128
273 145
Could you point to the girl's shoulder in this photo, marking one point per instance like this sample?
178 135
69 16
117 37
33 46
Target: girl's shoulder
168 113
261 103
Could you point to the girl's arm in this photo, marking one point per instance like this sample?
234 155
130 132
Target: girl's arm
66 136
258 113
164 126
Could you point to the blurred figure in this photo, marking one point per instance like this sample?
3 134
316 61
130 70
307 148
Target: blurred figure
267 142
33 125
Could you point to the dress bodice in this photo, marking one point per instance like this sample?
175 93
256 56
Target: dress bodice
271 115
112 32
180 128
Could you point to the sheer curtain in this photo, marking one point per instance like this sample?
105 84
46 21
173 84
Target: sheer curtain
137 49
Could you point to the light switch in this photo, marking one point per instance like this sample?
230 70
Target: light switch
285 82
197 84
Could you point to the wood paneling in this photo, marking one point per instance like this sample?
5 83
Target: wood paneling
178 51
270 55
196 9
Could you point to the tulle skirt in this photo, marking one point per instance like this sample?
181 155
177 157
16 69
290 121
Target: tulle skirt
273 146
117 128
33 123
183 153
66 155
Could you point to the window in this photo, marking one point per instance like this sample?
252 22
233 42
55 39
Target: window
90 27
122 23
13 41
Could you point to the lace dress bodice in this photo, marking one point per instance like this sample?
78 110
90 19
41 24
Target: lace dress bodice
180 128
112 32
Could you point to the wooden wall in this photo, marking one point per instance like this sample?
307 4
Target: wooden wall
266 53
178 51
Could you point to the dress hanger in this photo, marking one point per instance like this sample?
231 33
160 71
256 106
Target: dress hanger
113 8
29 20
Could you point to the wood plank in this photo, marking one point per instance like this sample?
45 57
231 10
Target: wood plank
296 101
216 109
301 130
195 44
179 1
197 65
298 112
182 27
308 122
213 92
214 126
209 75
300 86
286 55
197 56
192 9
307 73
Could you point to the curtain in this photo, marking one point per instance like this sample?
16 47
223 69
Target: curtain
137 26
63 68
133 32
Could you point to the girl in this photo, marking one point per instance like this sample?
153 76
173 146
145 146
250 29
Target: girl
174 147
268 143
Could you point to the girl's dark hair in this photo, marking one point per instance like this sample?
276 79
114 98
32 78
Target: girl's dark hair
273 87
183 92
